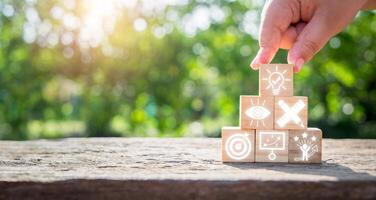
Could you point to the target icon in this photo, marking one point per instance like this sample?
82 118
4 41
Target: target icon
238 146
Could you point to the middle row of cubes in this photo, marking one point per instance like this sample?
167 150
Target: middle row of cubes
280 113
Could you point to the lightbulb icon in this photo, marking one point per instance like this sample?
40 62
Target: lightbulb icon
276 80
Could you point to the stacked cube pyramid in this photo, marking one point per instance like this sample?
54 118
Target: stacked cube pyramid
273 125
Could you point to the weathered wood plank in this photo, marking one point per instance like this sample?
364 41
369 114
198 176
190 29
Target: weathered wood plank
188 168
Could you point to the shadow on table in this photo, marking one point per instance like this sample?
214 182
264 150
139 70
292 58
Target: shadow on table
326 168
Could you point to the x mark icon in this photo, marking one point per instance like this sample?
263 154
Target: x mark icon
291 113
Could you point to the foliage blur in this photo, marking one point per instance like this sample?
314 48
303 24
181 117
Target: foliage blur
163 68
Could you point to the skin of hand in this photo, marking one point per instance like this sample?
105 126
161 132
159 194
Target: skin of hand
301 26
370 5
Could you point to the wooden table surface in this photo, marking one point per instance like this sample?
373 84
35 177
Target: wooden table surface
181 168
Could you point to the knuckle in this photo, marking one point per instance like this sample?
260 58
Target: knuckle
311 46
263 42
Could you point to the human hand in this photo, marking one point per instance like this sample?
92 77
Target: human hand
302 26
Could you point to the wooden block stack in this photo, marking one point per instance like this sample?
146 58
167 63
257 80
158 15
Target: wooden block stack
273 125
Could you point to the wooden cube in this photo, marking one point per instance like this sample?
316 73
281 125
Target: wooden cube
290 113
272 145
305 146
276 80
256 112
238 145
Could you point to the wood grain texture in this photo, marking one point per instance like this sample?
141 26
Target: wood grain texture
184 168
238 145
312 137
280 113
276 80
256 112
272 146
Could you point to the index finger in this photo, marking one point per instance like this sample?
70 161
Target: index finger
277 15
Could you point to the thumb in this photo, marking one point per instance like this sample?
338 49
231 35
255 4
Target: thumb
312 38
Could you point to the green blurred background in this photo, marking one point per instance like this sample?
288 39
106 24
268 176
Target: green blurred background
163 68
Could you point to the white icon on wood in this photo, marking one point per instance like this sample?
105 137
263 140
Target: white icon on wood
276 80
307 146
238 146
272 141
257 113
291 113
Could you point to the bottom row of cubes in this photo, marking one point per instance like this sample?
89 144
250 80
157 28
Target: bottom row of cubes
293 146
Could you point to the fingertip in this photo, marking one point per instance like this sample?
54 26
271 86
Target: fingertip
264 56
298 65
254 67
255 64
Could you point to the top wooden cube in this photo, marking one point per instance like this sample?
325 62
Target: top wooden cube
276 80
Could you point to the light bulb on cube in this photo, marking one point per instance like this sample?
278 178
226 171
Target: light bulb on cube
276 81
